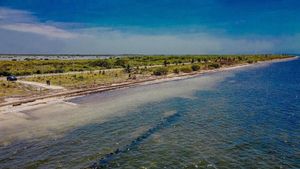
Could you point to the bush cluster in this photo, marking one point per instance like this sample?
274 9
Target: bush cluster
186 69
195 67
160 71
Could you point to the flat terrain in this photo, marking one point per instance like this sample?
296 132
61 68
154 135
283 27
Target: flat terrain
77 74
13 90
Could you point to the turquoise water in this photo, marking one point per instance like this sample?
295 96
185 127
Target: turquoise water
244 118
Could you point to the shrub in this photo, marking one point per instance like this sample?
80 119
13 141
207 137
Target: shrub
120 62
251 61
193 60
176 70
128 69
195 67
38 72
80 77
59 71
214 65
5 73
160 71
102 63
186 69
166 63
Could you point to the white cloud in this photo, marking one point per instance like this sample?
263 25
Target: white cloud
105 40
21 32
109 41
24 21
49 31
8 15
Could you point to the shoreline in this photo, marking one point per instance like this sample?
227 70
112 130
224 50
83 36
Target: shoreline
63 97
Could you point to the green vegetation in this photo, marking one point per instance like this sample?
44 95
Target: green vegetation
86 79
14 89
214 65
30 66
186 69
99 72
195 67
160 71
176 71
132 68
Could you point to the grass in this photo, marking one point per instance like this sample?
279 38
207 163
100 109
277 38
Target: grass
13 89
137 67
29 66
83 79
104 77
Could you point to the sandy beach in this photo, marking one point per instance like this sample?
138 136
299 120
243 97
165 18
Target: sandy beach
147 84
64 96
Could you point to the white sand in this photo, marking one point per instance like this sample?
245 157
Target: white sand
41 85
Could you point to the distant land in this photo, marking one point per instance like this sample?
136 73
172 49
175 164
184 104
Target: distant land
103 56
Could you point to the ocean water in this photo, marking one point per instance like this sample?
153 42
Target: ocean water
243 118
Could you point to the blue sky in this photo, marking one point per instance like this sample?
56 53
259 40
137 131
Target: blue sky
150 27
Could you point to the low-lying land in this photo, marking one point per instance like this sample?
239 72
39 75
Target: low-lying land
12 90
96 73
38 66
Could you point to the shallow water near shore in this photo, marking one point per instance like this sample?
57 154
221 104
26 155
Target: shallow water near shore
245 118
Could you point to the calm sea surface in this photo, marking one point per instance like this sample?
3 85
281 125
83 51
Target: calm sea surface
243 118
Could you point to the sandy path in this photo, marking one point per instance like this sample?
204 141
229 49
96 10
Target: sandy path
36 84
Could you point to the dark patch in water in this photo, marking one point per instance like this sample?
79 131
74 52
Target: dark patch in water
104 161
